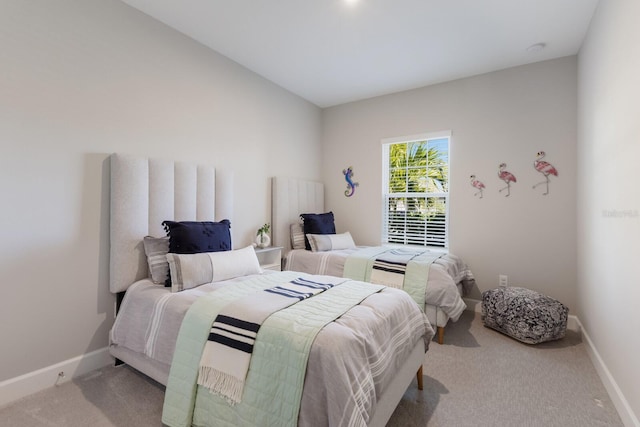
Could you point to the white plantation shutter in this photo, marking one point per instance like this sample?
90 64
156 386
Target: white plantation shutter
401 227
415 216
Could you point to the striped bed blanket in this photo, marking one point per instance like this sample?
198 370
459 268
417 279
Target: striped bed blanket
445 273
227 353
403 268
149 323
320 397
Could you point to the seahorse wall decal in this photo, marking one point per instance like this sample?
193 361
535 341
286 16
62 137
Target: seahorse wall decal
351 186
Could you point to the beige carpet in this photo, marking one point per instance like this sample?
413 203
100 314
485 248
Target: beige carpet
477 378
480 377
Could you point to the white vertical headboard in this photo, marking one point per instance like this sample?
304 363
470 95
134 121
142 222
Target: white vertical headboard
291 197
145 192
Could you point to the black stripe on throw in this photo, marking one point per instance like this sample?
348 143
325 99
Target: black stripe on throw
390 270
312 285
230 342
288 293
232 321
294 292
229 331
390 267
384 261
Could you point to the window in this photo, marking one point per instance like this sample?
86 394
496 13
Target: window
415 187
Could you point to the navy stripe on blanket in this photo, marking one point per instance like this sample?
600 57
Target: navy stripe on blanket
230 342
222 321
290 293
232 321
229 331
313 285
392 267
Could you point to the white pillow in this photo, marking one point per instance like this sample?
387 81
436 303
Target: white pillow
189 271
329 242
238 263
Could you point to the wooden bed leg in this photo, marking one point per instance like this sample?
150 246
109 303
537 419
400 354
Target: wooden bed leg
440 334
420 383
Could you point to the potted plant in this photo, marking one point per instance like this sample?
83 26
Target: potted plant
262 237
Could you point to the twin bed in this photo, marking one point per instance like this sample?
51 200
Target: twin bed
449 278
348 375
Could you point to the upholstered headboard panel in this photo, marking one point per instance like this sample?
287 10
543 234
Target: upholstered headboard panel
291 197
145 192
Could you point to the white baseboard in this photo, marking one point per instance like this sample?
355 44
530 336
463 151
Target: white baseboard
32 382
619 401
627 415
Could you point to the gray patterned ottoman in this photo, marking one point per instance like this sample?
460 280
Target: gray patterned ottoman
523 314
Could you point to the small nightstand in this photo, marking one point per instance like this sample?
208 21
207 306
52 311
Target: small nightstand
270 258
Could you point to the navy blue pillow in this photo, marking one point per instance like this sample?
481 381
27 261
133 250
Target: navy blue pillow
192 237
317 224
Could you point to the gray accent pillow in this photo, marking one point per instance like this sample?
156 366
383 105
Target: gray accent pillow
297 236
156 249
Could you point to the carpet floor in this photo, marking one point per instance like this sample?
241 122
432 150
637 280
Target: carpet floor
479 377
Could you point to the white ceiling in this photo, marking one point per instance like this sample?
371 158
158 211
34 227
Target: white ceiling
335 51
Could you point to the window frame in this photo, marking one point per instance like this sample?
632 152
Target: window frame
386 194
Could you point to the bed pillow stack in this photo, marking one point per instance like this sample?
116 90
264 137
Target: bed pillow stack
184 238
317 224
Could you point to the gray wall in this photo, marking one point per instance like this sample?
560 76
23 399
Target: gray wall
608 196
80 80
505 116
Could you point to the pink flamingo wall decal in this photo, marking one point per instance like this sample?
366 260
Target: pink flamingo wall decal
477 184
507 177
545 168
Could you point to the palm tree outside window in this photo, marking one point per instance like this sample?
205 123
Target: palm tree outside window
416 190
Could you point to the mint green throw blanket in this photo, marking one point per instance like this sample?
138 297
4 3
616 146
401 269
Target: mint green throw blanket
278 363
359 265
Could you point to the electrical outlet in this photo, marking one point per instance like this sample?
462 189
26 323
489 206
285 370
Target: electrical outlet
503 281
61 376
